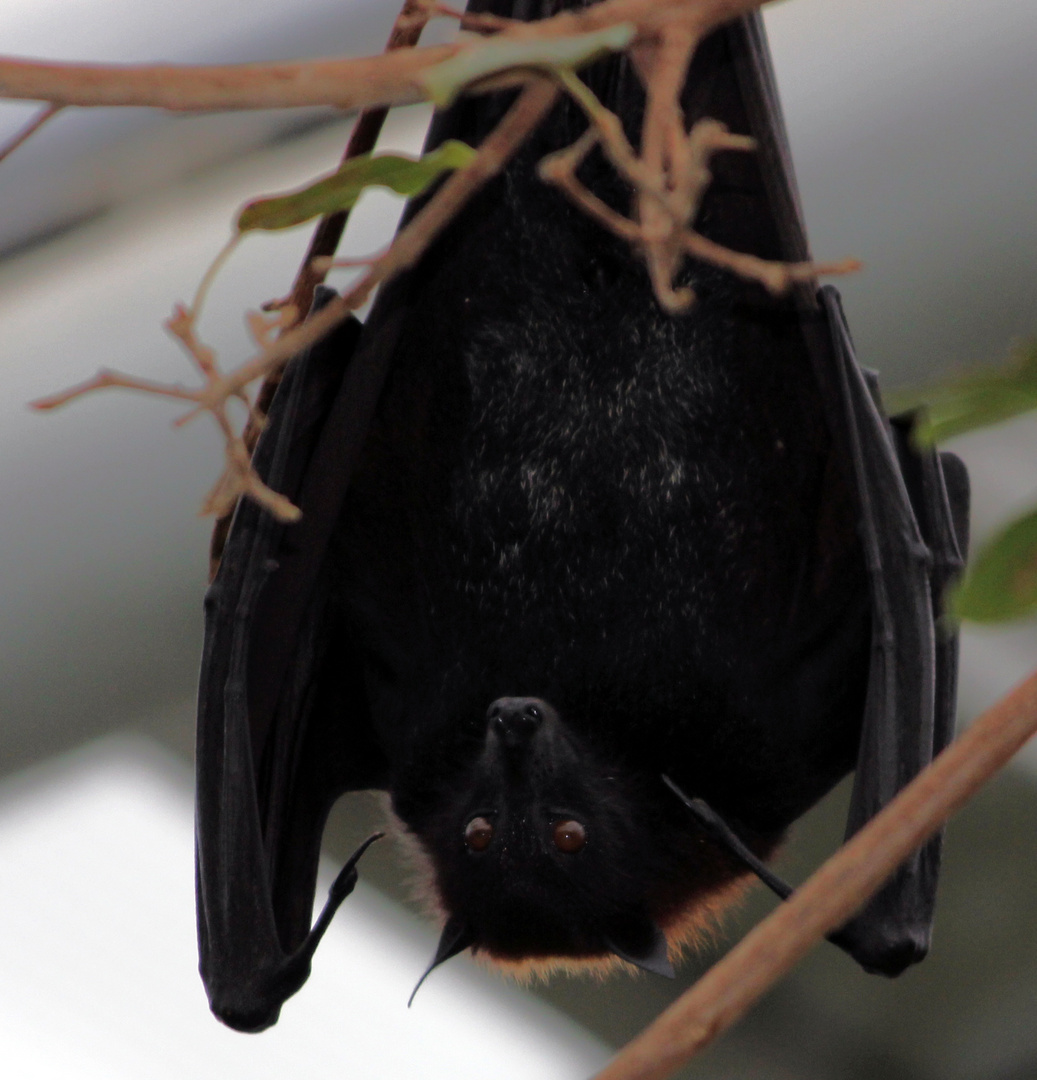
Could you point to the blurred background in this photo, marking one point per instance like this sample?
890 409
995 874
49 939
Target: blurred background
913 129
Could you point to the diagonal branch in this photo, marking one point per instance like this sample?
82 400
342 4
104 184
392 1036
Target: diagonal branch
239 478
29 130
834 894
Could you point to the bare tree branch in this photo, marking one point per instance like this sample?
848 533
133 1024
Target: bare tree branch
666 237
239 478
393 78
842 886
343 83
669 177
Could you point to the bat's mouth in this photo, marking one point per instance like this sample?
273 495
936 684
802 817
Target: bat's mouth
687 931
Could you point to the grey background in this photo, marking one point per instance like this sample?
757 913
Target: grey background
912 125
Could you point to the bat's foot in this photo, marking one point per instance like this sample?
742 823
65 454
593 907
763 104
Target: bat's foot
882 948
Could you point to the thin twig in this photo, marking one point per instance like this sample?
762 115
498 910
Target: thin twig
346 84
410 243
560 168
776 277
181 324
405 34
210 276
29 130
832 895
669 196
105 379
666 66
614 141
678 207
327 264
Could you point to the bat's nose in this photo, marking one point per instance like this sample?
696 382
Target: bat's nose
515 720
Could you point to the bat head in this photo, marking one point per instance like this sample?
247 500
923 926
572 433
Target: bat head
543 848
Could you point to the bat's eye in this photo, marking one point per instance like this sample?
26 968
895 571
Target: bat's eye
478 833
569 836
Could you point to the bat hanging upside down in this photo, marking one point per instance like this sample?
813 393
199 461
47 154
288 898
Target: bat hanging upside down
604 598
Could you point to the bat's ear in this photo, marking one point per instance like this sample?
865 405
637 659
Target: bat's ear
456 937
644 945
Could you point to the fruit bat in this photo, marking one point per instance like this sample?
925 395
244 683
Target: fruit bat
604 598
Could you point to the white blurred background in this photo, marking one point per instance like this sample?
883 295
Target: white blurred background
913 130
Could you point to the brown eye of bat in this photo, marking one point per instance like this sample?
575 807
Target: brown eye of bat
569 836
478 833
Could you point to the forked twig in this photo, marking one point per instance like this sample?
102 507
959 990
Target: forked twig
669 176
560 168
239 478
105 379
671 227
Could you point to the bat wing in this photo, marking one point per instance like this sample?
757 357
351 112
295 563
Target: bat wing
913 511
912 517
267 770
283 722
283 728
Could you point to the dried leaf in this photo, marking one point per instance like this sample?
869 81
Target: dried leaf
404 175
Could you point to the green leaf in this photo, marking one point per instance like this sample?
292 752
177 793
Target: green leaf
1001 582
404 175
977 399
443 82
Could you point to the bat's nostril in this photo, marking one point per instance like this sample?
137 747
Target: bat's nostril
515 720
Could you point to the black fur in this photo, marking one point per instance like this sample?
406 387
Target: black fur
694 543
569 494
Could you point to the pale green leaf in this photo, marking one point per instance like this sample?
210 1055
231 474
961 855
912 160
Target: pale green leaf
404 175
977 399
445 81
1001 582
